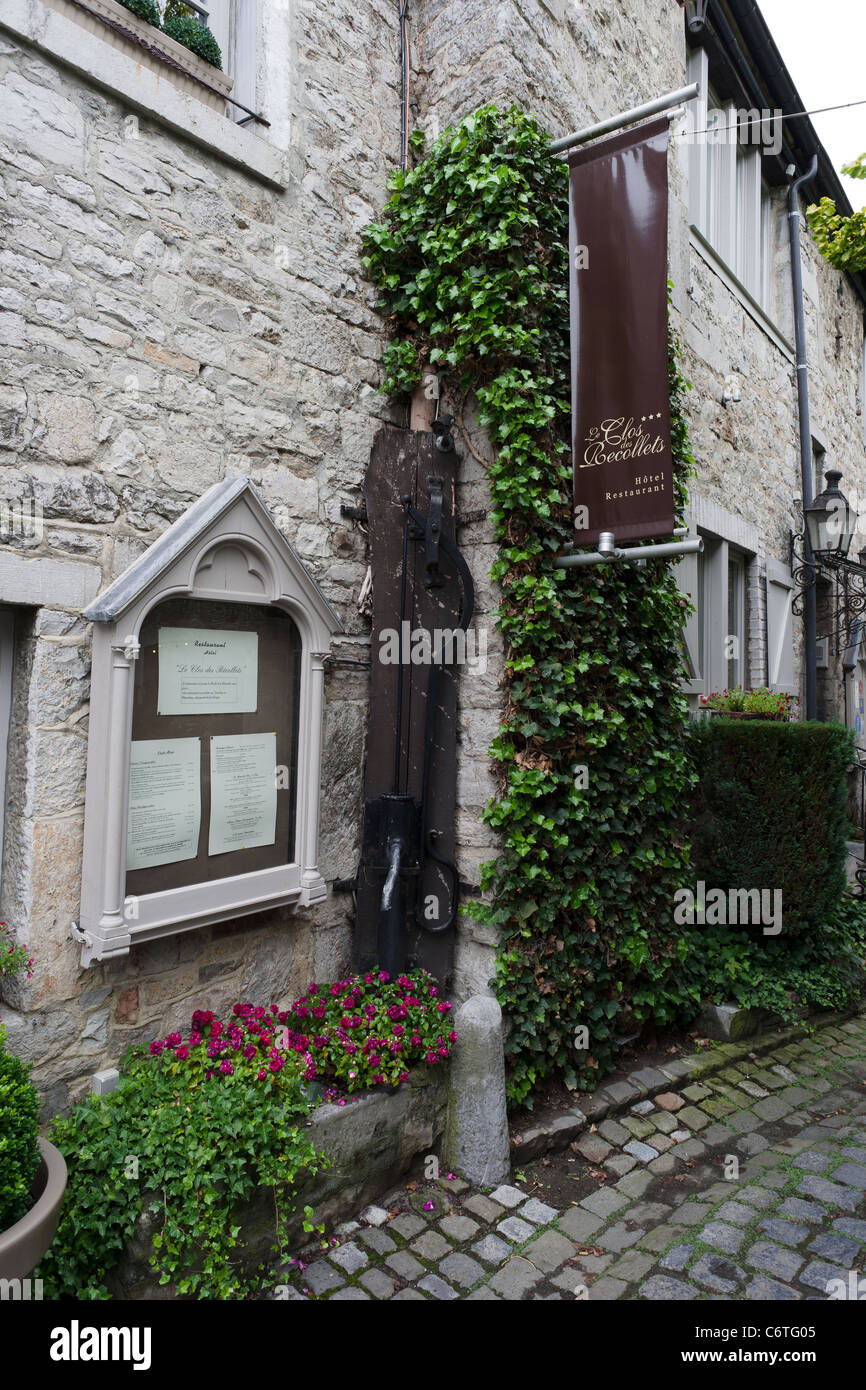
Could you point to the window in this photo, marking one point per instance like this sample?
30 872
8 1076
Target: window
736 620
819 465
715 635
171 85
731 204
233 25
780 636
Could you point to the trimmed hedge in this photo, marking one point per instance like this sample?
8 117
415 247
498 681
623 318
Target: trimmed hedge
194 36
147 10
771 812
19 1151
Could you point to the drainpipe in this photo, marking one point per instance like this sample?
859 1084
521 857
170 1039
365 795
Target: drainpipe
806 463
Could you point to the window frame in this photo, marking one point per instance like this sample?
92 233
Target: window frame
731 207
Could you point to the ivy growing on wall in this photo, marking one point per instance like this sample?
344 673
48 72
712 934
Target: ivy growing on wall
471 256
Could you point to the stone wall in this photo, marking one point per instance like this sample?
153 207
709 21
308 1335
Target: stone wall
170 317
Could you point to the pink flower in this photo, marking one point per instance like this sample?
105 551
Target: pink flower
276 1064
261 1075
173 1039
443 1007
194 1039
226 1068
155 1049
428 1206
249 1050
181 1053
452 1037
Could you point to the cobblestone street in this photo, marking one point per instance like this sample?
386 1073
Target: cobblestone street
741 1175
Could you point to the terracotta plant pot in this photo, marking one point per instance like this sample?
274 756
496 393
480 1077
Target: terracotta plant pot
23 1245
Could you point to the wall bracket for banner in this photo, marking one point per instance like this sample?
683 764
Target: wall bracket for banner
608 552
625 118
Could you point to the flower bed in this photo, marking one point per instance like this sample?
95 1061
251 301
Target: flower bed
360 1032
185 1179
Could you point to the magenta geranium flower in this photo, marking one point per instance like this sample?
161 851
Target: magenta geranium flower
181 1053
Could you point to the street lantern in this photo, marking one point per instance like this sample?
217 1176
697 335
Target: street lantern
830 521
696 15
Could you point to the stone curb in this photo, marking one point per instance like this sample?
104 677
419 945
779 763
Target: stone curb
645 1082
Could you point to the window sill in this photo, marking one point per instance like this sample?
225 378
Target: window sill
162 80
124 31
700 244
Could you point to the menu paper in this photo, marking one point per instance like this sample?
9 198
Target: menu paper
164 801
207 671
243 792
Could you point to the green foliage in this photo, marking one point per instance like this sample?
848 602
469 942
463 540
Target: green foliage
771 812
19 1128
471 257
148 10
822 970
185 1152
841 240
196 37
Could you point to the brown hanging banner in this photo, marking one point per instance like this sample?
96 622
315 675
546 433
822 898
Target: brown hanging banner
618 242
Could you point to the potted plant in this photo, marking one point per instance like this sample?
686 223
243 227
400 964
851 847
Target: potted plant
32 1171
761 703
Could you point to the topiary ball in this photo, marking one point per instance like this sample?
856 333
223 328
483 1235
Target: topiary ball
148 10
195 37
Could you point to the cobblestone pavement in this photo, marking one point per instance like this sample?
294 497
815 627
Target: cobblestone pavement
747 1184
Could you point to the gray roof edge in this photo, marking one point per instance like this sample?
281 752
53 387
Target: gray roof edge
108 605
